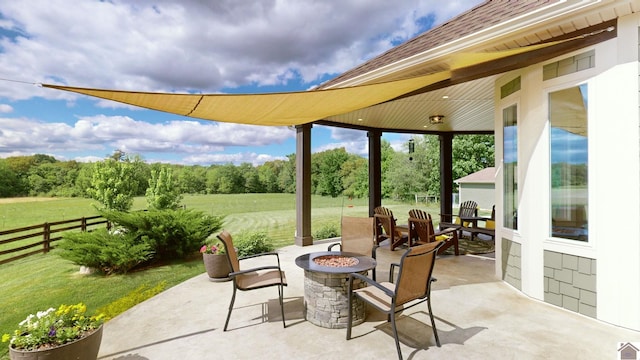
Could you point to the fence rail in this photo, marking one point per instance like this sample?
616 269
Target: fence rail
47 234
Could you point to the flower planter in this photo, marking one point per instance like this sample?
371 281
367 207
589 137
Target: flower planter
85 348
217 267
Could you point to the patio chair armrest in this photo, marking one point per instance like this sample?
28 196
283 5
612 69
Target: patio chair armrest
449 230
368 281
261 254
392 266
374 249
269 267
334 245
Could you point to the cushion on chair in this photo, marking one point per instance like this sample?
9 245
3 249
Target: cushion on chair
376 296
491 224
258 279
443 237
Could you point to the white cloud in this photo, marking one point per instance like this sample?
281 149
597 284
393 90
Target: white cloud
195 45
106 133
190 45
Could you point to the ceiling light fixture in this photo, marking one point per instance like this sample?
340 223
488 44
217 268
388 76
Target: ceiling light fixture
436 119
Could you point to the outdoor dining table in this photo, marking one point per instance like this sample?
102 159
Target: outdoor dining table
326 286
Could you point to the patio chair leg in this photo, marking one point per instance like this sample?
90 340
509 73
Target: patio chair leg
433 322
395 334
280 295
349 311
233 299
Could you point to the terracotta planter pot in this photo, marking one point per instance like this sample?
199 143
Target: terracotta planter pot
85 348
217 267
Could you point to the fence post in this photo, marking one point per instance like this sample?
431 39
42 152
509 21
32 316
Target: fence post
83 224
46 237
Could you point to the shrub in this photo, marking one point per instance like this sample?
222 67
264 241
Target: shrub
126 302
170 233
141 237
108 252
251 243
326 231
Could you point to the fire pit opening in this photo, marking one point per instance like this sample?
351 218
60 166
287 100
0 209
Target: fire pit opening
336 261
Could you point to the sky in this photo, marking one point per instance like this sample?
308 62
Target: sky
190 46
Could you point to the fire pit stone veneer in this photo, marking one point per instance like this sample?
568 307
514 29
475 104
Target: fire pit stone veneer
326 285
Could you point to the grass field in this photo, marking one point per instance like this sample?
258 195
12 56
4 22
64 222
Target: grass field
45 280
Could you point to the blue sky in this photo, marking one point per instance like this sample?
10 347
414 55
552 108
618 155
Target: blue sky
223 46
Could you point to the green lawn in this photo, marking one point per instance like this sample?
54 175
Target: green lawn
45 280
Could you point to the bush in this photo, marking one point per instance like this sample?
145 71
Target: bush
251 243
326 231
141 237
108 252
128 301
171 234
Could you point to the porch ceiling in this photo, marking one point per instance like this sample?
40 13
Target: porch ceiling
469 107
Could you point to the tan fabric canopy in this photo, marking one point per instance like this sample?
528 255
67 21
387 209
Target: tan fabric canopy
277 109
294 108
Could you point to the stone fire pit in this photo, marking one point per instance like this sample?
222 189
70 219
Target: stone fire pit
326 285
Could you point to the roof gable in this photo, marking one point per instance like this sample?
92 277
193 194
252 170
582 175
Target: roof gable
486 175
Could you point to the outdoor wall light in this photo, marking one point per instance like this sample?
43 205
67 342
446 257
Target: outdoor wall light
436 119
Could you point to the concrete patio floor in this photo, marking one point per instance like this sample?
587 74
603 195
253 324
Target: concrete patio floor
477 317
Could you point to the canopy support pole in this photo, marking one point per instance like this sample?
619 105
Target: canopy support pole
375 170
303 185
446 175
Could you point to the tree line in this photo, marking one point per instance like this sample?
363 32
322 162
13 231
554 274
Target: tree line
333 172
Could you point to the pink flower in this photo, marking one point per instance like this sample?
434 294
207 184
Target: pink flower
203 248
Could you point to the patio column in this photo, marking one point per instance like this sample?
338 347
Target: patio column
446 175
375 170
303 185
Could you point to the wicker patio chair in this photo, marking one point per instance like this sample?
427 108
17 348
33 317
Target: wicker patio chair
357 236
385 228
413 286
254 278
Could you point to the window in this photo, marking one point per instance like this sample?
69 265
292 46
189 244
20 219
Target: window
510 166
569 160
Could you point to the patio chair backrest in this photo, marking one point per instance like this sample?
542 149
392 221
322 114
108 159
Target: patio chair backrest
468 209
416 268
227 240
357 235
384 218
421 226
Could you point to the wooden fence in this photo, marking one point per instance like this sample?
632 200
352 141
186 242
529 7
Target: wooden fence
46 233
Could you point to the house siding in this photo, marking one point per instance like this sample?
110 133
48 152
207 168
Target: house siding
512 263
570 282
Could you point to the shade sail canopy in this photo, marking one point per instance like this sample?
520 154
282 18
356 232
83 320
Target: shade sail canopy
275 109
295 108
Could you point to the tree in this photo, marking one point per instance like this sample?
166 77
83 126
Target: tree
162 192
268 175
355 176
191 179
327 171
113 184
287 176
251 177
472 153
386 167
10 184
225 179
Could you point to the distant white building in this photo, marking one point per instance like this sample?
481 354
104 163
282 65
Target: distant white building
479 187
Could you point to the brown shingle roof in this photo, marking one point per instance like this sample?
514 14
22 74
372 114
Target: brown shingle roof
486 175
485 15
